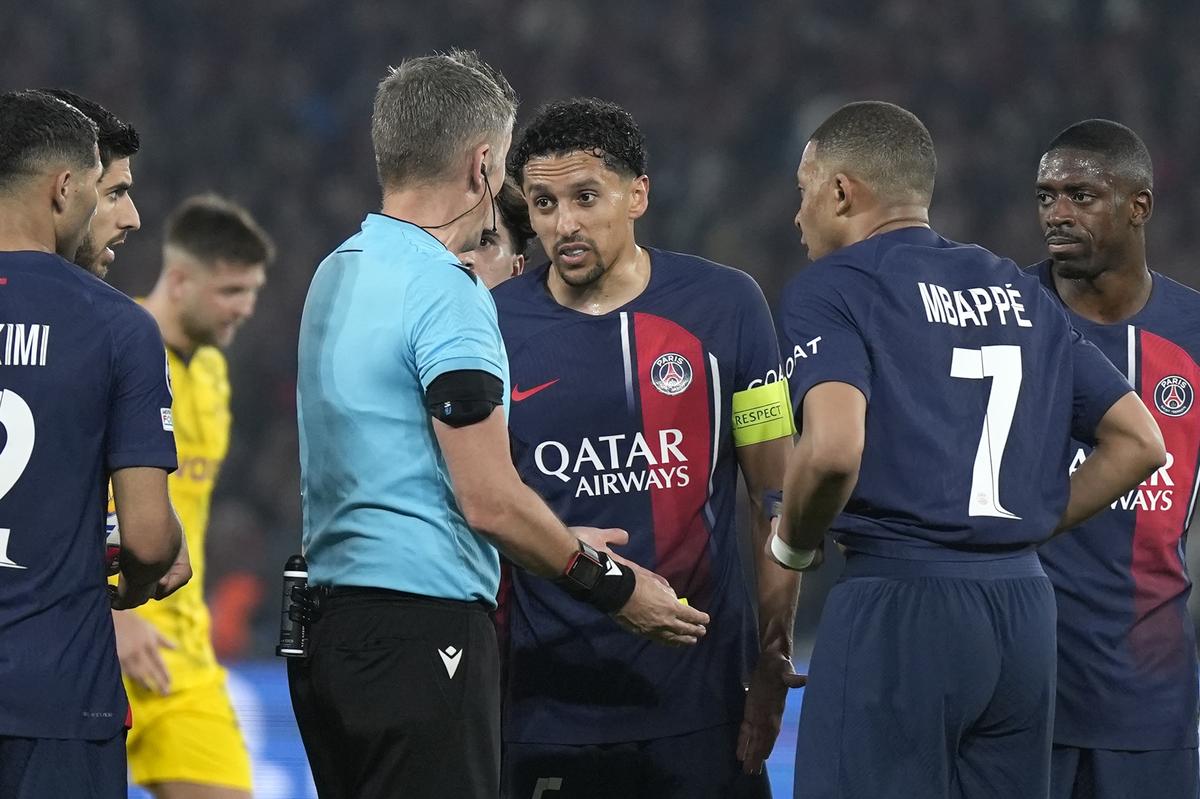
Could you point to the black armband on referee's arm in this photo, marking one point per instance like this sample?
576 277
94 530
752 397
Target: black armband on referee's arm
464 396
593 577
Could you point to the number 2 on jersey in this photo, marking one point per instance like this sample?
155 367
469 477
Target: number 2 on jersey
17 420
1002 363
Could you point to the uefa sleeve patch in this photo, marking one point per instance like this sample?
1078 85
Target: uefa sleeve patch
763 413
167 422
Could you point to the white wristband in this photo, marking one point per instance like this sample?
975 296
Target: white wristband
790 557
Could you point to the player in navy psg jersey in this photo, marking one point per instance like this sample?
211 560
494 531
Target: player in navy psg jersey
83 395
641 381
1127 673
938 388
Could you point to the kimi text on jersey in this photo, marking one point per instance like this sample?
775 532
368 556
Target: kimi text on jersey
23 345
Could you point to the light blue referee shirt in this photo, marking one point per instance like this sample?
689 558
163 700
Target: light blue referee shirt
389 311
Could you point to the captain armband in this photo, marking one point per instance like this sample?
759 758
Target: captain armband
464 397
763 413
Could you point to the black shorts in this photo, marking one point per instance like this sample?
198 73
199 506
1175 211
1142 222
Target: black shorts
38 768
696 765
400 696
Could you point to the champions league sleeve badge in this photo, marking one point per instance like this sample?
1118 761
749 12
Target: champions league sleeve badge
671 374
1172 396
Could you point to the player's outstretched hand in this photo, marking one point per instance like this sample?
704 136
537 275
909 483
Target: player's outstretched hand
655 612
769 684
138 645
601 538
178 575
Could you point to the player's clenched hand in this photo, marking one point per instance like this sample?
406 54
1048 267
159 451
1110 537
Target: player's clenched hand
655 612
125 595
178 575
138 645
769 684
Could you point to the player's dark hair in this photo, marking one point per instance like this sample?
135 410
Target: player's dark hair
1122 151
582 124
117 139
514 215
39 132
210 228
884 146
429 110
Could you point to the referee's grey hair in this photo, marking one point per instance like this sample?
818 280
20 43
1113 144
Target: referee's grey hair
430 110
884 146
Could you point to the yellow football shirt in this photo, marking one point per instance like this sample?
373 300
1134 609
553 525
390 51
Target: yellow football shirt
200 411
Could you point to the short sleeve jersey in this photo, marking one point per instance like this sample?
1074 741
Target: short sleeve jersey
83 393
974 379
630 419
387 313
1127 673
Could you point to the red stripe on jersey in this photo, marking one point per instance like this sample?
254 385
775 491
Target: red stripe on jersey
681 534
1158 570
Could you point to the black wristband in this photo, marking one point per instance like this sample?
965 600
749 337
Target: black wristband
606 588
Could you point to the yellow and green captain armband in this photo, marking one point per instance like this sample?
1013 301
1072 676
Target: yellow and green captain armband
763 413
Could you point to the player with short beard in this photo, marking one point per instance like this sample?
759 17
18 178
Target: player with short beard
186 743
642 381
84 398
1127 673
116 215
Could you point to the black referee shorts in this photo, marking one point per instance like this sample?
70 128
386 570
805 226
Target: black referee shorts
400 697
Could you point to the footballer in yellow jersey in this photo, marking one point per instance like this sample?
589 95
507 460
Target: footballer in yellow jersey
185 741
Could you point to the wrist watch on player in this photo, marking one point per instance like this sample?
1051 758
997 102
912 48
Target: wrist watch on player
584 569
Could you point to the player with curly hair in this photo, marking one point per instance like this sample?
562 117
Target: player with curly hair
642 380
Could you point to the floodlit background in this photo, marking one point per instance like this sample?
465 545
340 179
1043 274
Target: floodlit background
269 103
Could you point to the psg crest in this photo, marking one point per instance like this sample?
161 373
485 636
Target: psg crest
672 373
1173 395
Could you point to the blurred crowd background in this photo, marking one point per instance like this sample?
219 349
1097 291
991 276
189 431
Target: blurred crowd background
269 102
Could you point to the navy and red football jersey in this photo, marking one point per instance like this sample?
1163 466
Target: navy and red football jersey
975 382
83 392
624 420
1127 673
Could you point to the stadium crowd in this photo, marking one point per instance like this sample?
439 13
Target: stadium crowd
265 102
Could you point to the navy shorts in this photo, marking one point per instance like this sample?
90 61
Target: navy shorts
39 768
698 765
931 679
1108 774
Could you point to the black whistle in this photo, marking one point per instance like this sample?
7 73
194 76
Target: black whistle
293 636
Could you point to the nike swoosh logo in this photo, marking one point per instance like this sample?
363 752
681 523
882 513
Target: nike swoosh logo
520 396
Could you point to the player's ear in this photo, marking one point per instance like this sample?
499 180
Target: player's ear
518 265
61 190
844 190
639 196
1141 207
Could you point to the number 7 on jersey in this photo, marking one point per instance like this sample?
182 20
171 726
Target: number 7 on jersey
1002 363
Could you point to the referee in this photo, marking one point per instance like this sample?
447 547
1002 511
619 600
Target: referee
408 486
